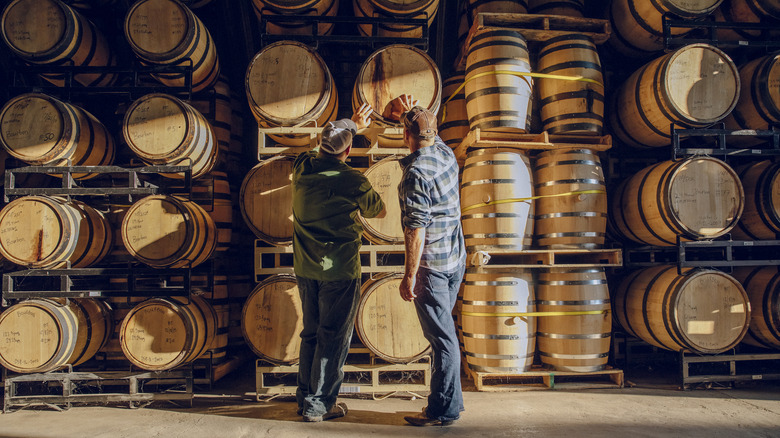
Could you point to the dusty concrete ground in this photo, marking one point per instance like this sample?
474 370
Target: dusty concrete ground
655 407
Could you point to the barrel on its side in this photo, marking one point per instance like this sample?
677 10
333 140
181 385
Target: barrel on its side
453 119
49 32
265 8
277 96
42 335
667 199
163 130
50 232
272 319
163 333
390 72
759 101
386 324
568 8
405 9
168 33
168 232
41 130
692 87
761 217
495 196
266 200
701 310
385 176
762 285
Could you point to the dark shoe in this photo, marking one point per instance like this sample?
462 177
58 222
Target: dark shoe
299 411
337 411
422 420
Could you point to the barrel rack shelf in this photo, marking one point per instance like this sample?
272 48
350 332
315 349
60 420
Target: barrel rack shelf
374 259
99 387
707 253
721 137
478 139
267 148
706 32
343 38
700 370
535 27
364 373
503 259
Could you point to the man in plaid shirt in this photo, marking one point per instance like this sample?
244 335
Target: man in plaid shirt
429 194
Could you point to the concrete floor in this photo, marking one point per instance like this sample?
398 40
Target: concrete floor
654 407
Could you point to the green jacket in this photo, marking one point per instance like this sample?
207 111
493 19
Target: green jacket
327 196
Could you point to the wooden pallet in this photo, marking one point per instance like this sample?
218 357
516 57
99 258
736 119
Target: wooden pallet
535 27
374 259
736 366
359 378
267 147
542 379
479 139
497 258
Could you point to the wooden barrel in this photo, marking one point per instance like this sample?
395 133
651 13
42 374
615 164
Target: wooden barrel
693 87
214 290
453 119
163 130
50 232
571 211
759 102
167 33
266 200
385 176
572 341
328 8
277 96
761 217
162 333
571 107
701 310
41 130
49 32
637 28
668 199
494 339
498 6
497 177
168 232
496 99
762 285
213 194
272 319
386 324
569 8
41 335
216 106
408 9
390 72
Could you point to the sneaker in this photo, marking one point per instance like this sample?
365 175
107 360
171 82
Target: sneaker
299 411
422 419
337 411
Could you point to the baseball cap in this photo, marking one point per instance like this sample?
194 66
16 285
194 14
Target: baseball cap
420 122
337 136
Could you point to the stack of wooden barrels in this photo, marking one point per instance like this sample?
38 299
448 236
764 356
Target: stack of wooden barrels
193 122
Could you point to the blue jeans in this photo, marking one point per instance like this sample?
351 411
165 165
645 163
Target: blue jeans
436 295
329 309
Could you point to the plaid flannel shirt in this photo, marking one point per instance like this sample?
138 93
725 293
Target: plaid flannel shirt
429 194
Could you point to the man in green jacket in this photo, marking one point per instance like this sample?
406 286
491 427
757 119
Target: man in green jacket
328 194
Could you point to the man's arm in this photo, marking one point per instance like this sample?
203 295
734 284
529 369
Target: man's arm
414 239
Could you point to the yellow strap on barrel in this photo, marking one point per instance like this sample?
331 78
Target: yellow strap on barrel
531 198
519 314
514 73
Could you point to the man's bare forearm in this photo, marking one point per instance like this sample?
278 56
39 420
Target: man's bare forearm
414 239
